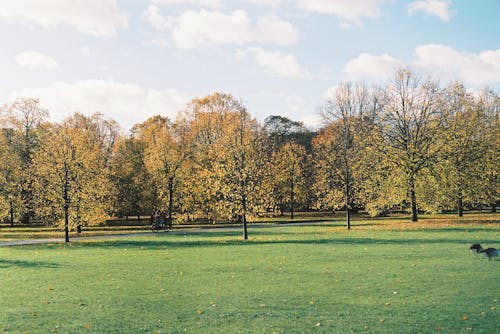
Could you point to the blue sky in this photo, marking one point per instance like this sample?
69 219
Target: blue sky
131 59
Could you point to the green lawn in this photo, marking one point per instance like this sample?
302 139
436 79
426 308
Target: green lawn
298 279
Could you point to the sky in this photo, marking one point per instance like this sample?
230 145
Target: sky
132 59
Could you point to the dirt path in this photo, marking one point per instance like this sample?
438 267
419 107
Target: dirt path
144 234
108 236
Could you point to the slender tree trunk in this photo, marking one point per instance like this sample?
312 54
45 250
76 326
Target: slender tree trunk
494 207
170 201
413 198
292 199
66 223
244 216
347 199
460 203
66 204
11 210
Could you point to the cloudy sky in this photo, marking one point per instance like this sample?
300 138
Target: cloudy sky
130 59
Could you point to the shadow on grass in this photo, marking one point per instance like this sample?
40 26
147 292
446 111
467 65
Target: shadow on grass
27 264
257 238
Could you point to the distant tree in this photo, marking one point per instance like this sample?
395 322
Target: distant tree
281 130
349 114
224 143
489 164
466 145
287 180
71 181
129 177
10 171
411 125
25 117
166 151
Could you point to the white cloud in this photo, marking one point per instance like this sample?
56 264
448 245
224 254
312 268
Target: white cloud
476 69
156 20
126 103
278 64
84 50
99 18
439 8
159 42
351 11
196 29
34 60
371 66
202 3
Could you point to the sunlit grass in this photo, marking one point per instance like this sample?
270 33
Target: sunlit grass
297 279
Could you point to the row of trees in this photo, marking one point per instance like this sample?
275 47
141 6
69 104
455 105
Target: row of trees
410 145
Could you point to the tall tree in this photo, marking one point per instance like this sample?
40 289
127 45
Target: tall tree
131 182
287 179
224 143
25 117
166 150
466 145
351 109
72 184
10 171
411 126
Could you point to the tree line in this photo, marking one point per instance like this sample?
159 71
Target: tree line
410 145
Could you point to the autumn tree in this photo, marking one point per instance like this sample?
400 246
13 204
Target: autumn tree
166 150
287 179
25 117
489 102
10 171
224 144
466 144
349 115
411 124
71 181
131 183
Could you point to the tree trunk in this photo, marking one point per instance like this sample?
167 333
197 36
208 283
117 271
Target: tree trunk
460 204
66 223
66 203
347 197
244 209
292 200
413 199
494 207
11 210
170 201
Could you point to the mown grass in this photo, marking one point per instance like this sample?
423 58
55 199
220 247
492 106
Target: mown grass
360 221
293 279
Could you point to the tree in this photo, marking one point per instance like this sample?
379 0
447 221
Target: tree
10 171
282 130
411 124
71 180
466 145
489 101
287 179
350 113
166 150
131 182
224 143
25 117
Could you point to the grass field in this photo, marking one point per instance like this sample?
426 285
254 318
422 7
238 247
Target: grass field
383 277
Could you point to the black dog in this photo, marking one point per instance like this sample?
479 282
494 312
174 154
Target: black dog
476 248
489 252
